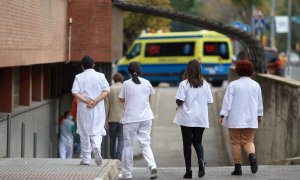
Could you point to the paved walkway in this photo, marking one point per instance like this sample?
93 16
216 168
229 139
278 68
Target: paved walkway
62 169
288 172
69 169
167 140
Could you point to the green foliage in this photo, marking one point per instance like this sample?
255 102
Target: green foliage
192 7
134 23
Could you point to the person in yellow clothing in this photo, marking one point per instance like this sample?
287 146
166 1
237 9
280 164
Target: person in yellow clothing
114 115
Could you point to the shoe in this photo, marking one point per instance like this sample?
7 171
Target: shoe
121 176
153 172
188 174
253 163
97 155
84 162
201 171
237 170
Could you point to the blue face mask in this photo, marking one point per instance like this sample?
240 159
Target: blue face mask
70 117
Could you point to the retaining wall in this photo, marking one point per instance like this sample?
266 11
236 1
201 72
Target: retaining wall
278 138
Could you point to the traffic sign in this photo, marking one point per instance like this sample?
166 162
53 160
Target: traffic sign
240 25
259 24
237 24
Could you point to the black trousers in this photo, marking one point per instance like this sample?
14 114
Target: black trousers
192 135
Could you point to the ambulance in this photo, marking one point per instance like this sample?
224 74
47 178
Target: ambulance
163 56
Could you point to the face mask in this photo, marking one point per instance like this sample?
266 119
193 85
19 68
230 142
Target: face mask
70 117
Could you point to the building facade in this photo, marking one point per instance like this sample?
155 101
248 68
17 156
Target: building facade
42 43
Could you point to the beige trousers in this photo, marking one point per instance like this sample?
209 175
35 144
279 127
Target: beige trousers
241 138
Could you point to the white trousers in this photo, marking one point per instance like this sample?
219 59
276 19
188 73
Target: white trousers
142 130
65 150
88 142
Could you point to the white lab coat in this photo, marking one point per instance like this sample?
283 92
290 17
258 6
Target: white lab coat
242 104
137 106
194 110
90 121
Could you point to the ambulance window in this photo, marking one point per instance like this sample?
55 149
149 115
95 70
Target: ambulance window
169 49
135 51
216 49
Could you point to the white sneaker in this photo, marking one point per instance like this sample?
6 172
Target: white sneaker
153 172
121 176
84 162
97 155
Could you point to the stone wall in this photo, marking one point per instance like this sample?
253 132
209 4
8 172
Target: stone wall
40 119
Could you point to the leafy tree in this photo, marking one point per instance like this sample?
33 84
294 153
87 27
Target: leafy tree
245 8
134 23
192 7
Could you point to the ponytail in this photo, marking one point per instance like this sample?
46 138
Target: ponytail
134 69
135 78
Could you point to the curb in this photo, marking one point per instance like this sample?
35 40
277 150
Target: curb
109 171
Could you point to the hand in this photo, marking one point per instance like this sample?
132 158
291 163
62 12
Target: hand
106 126
220 121
91 104
260 120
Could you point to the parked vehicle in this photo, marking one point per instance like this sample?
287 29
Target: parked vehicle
273 63
294 59
163 56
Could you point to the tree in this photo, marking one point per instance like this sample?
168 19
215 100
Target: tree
245 8
134 23
192 7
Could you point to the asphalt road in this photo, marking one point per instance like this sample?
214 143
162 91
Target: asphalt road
166 136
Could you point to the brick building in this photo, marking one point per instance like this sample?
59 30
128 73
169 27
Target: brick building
42 43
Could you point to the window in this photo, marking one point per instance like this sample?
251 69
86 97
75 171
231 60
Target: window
135 51
170 49
216 49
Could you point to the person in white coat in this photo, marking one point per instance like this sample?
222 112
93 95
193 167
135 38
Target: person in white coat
241 112
192 98
90 88
137 120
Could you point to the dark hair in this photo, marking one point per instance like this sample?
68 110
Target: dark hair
134 69
193 73
62 117
244 68
87 62
118 77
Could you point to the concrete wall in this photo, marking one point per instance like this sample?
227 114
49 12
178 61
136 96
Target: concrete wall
41 119
279 136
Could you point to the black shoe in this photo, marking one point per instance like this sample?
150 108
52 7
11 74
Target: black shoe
188 174
253 163
237 170
201 171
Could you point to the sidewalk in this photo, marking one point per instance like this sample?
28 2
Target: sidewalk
62 169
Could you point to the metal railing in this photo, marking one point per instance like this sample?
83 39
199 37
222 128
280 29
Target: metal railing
292 72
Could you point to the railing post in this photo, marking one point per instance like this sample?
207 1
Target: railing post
23 140
34 144
50 150
8 135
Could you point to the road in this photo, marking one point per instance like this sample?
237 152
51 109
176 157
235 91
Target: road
166 136
168 152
